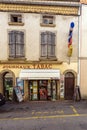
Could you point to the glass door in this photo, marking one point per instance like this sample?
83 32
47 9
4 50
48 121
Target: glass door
43 89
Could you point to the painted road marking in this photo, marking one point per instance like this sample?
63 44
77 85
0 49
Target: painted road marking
45 117
74 110
47 112
59 112
38 115
33 112
54 112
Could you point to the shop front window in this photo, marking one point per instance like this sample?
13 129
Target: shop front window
54 90
49 90
43 90
33 90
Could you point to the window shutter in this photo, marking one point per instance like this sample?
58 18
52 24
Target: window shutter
11 37
51 44
12 43
16 44
48 44
43 44
53 38
20 44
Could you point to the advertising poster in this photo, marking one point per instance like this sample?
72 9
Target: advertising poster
20 84
35 90
18 94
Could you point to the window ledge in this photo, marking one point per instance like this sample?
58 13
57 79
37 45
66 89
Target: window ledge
48 59
47 25
16 59
16 23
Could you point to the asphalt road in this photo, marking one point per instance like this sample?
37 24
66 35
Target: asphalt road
64 115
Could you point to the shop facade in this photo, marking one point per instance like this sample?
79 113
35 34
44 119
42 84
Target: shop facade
42 83
40 42
53 82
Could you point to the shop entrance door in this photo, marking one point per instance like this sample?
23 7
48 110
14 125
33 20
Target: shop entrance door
43 89
8 86
69 86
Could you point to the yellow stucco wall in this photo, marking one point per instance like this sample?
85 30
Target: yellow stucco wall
16 68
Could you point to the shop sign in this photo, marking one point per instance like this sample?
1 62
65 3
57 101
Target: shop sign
30 66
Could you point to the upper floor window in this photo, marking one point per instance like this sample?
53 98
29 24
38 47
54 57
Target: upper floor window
47 44
15 19
16 44
48 20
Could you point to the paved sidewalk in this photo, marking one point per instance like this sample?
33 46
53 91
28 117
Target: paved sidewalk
39 105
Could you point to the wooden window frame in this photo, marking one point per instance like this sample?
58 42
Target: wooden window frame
49 42
16 44
16 19
48 19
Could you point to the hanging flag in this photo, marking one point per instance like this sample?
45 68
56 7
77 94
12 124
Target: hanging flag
70 47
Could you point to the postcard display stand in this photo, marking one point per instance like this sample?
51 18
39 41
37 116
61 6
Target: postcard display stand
62 87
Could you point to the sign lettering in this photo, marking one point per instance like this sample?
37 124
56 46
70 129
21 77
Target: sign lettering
31 66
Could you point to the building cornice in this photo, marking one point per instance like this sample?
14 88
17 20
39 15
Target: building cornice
43 2
65 10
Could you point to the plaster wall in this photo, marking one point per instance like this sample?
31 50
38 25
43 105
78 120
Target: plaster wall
32 31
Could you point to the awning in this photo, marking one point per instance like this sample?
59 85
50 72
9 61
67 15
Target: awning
39 74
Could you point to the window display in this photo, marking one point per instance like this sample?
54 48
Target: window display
8 88
62 87
42 89
54 90
33 90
